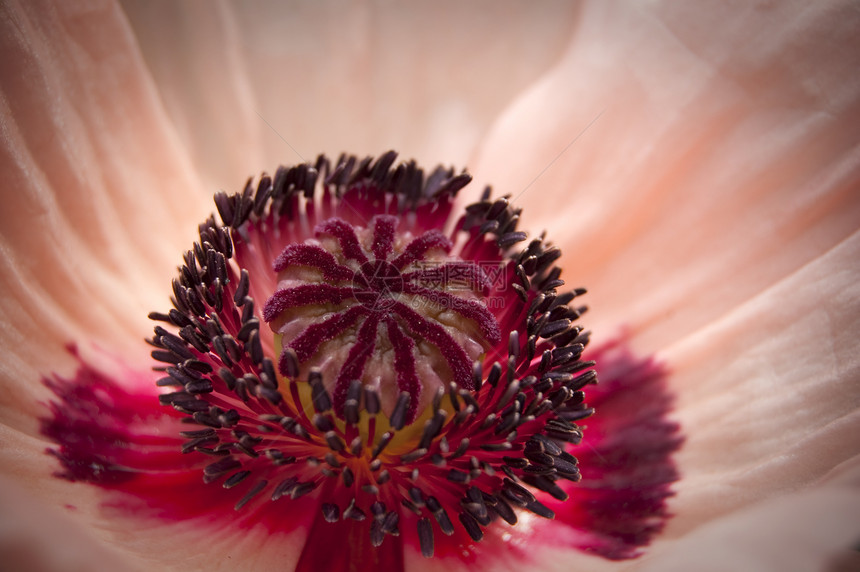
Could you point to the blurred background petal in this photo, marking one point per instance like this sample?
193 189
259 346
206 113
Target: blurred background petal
255 84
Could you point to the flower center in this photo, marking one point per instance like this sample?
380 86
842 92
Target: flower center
416 370
378 306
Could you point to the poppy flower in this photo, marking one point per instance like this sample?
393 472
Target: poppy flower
697 168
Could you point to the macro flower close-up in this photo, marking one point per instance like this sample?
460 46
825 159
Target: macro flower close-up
463 286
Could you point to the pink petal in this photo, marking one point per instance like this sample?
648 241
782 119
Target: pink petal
722 156
36 538
315 77
768 395
714 199
85 143
804 531
196 54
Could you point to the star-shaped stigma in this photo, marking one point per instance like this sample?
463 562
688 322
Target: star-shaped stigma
393 295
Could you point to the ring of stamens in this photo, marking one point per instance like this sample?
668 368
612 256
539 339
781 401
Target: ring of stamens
491 440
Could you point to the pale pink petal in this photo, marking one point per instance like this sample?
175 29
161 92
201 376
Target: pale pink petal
816 529
97 196
712 207
427 80
813 529
38 510
768 395
97 192
688 157
37 538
